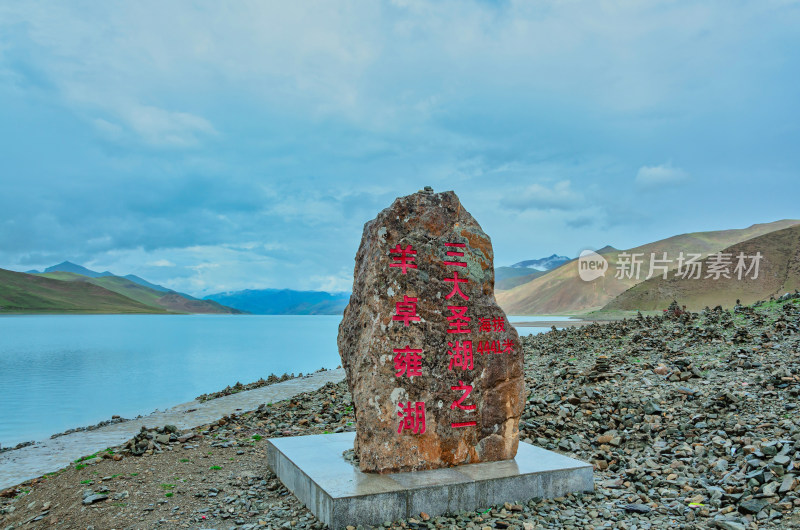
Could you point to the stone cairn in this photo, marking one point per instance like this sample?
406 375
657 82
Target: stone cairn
433 365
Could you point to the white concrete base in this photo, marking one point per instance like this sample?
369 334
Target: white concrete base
339 494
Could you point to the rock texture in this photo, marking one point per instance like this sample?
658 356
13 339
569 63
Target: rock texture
406 336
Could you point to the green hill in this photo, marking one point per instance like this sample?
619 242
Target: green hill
28 293
160 300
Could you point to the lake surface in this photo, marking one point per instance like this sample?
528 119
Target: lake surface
58 372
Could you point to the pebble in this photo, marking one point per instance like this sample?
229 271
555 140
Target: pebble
714 448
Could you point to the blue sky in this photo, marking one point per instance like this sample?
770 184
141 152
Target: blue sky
213 146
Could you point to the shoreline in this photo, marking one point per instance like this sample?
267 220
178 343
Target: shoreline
45 456
229 390
560 323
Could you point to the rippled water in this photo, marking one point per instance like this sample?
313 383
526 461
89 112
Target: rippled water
63 371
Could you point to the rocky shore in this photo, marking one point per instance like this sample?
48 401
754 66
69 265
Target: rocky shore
239 387
690 420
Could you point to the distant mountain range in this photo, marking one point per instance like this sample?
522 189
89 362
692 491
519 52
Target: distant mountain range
284 301
549 285
542 264
71 288
68 266
525 271
562 291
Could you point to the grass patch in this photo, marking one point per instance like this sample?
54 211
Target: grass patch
168 494
86 481
215 468
167 486
257 437
78 467
26 293
185 460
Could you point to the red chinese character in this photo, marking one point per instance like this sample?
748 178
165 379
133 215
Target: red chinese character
464 424
499 324
408 361
486 324
455 253
466 389
455 280
403 258
413 417
508 346
458 320
406 310
461 355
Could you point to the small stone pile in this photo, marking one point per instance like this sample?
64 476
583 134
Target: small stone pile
150 441
239 387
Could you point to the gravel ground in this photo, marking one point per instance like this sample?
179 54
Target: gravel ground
690 420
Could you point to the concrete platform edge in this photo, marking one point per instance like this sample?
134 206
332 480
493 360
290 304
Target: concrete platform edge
345 496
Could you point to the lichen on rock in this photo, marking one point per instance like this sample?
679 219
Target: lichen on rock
434 366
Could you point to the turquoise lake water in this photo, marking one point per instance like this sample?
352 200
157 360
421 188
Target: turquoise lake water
58 372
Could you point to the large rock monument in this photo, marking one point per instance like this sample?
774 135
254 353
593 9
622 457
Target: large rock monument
434 366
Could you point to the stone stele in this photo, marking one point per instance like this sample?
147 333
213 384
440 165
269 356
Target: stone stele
433 365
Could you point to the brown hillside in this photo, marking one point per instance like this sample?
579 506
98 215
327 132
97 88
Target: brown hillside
562 291
778 273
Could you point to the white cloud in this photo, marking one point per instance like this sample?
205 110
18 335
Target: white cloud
161 263
559 196
163 128
509 103
341 282
658 176
378 65
108 130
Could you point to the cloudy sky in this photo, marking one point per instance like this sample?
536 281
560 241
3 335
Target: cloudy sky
214 146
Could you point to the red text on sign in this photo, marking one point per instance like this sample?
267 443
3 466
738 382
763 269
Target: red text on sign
408 362
455 280
461 355
412 417
403 258
459 320
455 253
406 311
458 404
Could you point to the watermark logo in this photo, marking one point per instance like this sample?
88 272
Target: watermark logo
689 266
591 265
